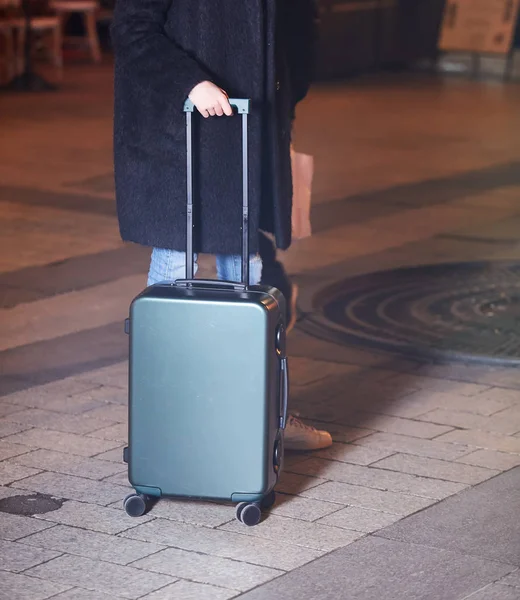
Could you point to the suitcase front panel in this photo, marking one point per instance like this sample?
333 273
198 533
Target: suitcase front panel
204 393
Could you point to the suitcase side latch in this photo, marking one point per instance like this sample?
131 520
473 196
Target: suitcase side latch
285 391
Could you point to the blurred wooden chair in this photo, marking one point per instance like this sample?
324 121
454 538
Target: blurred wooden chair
13 30
46 27
89 10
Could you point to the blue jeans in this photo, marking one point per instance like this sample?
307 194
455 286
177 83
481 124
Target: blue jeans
169 265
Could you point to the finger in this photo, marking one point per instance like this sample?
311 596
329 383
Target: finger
204 112
226 106
212 111
218 110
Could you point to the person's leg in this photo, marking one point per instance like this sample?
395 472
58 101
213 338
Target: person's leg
274 274
229 268
167 265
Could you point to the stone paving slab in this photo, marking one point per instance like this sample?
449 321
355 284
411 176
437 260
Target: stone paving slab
104 394
304 509
482 521
46 419
501 393
418 403
495 592
233 543
73 488
349 453
9 492
21 587
62 442
398 425
502 379
432 384
75 274
8 450
82 594
120 479
482 439
512 412
67 464
53 396
10 473
124 581
8 428
67 311
203 568
110 412
56 402
293 483
91 517
113 376
67 356
491 459
89 544
115 455
8 409
382 479
359 519
376 569
188 590
438 469
14 527
117 432
357 495
513 579
437 448
15 556
305 372
501 422
300 533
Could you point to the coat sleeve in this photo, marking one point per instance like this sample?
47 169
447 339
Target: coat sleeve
145 54
300 30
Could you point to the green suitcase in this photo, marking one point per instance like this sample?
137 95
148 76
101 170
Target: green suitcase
208 383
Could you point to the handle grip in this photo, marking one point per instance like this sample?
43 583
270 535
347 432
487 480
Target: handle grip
242 105
198 283
285 391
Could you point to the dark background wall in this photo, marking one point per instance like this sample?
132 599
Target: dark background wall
361 35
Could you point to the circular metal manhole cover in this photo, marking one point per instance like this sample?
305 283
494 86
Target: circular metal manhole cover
458 311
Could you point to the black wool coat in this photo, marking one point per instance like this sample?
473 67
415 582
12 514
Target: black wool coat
256 49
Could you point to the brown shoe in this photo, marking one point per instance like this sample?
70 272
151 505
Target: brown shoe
299 436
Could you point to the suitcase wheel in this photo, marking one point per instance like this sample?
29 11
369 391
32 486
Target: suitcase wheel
135 505
249 513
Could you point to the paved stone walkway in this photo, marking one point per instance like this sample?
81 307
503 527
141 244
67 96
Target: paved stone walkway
408 172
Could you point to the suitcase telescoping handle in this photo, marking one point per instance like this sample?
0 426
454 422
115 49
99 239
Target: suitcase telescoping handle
243 107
